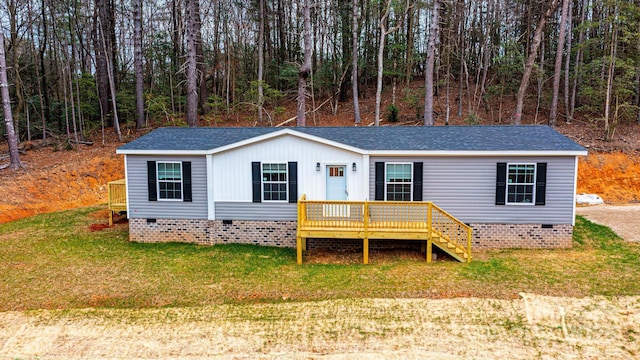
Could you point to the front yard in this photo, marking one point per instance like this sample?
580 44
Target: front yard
53 261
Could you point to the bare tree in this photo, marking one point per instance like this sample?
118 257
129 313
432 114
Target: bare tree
305 68
354 61
104 34
553 112
567 65
384 31
192 77
528 66
14 155
428 73
137 53
261 60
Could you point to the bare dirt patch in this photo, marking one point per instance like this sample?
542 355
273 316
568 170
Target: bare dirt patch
54 180
529 327
624 220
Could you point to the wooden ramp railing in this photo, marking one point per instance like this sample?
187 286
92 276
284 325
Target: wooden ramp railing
383 220
117 197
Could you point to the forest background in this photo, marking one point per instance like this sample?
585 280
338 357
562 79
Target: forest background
77 66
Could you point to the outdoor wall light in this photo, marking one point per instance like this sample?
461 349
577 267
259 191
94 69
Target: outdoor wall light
317 166
353 167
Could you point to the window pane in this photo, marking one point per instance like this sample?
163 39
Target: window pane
274 182
169 180
398 172
398 192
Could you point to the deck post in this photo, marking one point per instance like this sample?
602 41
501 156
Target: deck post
301 218
469 245
299 249
429 230
366 250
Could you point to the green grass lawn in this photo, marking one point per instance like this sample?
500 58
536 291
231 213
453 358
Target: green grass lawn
54 261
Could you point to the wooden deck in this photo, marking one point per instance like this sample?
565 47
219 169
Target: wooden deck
117 197
390 220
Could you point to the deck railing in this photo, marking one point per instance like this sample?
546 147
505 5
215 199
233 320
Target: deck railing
117 191
382 220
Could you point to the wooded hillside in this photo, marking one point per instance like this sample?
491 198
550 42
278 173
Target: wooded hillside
77 66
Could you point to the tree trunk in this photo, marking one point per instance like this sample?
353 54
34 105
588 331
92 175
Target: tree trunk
112 90
578 61
431 54
14 155
192 76
305 68
528 67
261 61
609 124
102 59
354 60
567 108
43 48
137 53
410 44
201 70
553 113
383 34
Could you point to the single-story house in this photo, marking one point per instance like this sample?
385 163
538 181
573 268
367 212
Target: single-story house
514 185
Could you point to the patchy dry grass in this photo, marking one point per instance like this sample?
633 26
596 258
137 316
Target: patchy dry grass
52 261
532 327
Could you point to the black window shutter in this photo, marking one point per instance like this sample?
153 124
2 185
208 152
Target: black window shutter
541 183
501 183
417 181
256 182
151 181
379 195
293 182
186 181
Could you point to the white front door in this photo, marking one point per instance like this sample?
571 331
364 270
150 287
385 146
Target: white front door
336 182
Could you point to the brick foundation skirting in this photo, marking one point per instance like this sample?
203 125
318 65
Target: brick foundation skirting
521 236
211 232
283 234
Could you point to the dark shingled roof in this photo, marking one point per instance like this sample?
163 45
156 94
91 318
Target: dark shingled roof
398 138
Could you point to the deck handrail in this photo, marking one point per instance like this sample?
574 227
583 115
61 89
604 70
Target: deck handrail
463 227
381 219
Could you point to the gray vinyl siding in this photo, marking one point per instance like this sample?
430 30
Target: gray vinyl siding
466 188
141 207
255 211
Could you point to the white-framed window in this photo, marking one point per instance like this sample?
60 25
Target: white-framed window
398 181
169 180
521 181
274 182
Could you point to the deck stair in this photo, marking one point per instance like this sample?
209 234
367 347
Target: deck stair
388 220
117 197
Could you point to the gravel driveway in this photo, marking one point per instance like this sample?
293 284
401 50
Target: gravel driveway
624 220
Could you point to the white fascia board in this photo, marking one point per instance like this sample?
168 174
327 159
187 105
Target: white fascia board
283 132
162 152
474 153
